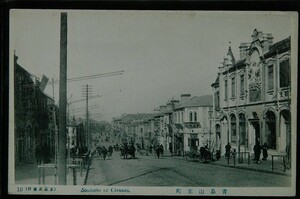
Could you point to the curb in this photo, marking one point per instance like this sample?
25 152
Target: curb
241 167
253 169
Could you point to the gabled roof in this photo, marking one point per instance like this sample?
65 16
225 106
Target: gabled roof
230 54
129 118
216 83
278 47
197 101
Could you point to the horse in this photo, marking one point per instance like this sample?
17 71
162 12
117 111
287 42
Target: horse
125 151
102 151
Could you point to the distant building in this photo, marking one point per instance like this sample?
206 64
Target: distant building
252 96
192 123
131 128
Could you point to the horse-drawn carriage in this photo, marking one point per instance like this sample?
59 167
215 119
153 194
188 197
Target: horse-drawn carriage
126 150
205 154
102 151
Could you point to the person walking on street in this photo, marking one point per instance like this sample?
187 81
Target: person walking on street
257 151
227 151
162 150
265 151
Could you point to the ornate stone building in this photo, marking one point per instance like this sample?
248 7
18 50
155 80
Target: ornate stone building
252 96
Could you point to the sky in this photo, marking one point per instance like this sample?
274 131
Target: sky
163 53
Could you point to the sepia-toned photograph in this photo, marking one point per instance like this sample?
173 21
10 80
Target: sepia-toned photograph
140 102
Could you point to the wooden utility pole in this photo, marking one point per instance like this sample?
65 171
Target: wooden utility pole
87 91
87 117
62 166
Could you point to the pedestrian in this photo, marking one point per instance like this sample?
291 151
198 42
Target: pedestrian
157 151
227 150
171 149
257 151
162 150
265 151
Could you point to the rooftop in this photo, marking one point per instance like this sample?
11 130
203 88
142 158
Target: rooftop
197 101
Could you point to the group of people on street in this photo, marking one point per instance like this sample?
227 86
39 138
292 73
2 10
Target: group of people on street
126 150
257 151
104 152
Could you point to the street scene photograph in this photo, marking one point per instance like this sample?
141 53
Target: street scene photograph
152 102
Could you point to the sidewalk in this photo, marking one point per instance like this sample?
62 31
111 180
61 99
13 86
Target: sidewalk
264 165
29 174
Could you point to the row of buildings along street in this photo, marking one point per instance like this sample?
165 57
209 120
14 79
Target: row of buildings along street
249 104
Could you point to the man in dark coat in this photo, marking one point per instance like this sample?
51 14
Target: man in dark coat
257 151
227 150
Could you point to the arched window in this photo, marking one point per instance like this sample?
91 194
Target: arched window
242 126
233 128
182 117
191 116
218 137
195 116
271 130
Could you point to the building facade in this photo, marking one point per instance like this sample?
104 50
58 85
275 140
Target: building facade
192 125
33 127
252 96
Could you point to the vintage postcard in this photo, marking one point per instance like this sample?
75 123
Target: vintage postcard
128 102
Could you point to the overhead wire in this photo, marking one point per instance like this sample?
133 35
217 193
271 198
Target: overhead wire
200 83
90 77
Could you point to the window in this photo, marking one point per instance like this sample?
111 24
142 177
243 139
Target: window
181 116
195 116
284 72
270 77
217 99
242 126
225 90
233 128
242 85
271 130
233 87
191 116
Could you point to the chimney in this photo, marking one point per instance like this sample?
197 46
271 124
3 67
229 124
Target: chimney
185 98
169 106
267 41
156 110
162 108
243 50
